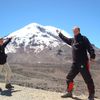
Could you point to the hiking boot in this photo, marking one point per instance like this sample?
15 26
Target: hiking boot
9 86
67 94
91 97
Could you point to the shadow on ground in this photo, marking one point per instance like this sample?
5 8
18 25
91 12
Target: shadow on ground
8 92
76 98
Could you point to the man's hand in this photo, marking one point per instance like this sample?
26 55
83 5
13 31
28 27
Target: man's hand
92 61
58 31
11 37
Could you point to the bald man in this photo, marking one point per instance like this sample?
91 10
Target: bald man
80 46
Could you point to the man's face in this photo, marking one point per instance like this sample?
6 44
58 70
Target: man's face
76 31
1 41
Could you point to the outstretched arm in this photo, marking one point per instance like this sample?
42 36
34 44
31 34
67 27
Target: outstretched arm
7 41
67 40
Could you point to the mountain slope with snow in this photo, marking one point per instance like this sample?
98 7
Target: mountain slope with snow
35 37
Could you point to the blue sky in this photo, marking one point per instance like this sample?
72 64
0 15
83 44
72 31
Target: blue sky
64 14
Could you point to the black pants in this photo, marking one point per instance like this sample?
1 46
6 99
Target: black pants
84 70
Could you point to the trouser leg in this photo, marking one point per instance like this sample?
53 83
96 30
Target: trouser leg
71 75
8 73
87 78
1 67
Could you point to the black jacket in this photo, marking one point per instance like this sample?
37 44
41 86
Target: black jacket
80 45
3 56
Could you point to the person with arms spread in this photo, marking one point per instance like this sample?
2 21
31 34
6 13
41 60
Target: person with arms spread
80 46
3 63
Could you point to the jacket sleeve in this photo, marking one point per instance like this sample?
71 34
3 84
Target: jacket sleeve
65 39
6 42
90 48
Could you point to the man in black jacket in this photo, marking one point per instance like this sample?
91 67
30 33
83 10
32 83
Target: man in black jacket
80 45
3 62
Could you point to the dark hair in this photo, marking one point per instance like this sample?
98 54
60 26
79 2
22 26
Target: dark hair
1 38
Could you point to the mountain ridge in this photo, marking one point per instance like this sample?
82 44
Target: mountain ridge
35 36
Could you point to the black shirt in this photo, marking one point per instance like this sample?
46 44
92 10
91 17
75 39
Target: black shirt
3 56
80 45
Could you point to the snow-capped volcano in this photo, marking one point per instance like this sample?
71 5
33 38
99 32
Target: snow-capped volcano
35 37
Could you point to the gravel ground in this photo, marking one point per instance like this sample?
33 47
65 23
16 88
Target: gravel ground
23 93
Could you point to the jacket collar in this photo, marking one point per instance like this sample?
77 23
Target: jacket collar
77 38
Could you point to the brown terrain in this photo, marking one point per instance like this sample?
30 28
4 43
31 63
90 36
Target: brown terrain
44 72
